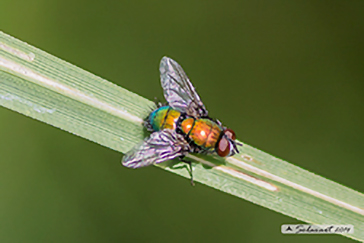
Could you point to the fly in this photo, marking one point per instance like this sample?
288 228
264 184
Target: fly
180 127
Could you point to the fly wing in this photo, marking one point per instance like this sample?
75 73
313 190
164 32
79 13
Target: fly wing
159 147
178 90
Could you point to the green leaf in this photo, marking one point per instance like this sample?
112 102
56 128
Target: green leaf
48 89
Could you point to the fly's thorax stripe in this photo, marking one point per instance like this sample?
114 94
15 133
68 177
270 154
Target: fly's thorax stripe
200 131
213 136
205 133
187 125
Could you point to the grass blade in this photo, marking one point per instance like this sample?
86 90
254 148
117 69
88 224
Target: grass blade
48 89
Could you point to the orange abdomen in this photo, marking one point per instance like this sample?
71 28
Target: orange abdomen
171 119
164 118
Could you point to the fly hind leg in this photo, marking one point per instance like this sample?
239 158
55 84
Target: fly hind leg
182 158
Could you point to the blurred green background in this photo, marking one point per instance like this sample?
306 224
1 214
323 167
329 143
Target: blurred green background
287 76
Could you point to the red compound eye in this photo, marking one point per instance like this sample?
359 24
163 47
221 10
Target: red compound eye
223 148
230 134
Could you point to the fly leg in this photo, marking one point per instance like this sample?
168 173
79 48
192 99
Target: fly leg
190 171
157 102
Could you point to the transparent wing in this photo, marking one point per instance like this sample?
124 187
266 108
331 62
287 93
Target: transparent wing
159 147
178 90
